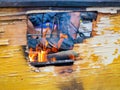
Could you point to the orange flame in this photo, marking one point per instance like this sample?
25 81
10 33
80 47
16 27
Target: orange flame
39 55
32 55
42 56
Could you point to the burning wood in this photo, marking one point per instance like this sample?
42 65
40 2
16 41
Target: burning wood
70 54
37 56
66 27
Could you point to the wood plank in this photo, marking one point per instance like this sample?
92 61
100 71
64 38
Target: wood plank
4 41
1 30
13 17
15 29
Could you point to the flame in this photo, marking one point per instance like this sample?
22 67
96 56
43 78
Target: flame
39 54
44 56
32 55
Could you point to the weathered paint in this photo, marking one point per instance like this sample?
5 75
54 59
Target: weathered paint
90 72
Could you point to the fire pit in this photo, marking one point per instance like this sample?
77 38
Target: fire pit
52 35
40 58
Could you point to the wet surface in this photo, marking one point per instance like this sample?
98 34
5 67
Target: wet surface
97 68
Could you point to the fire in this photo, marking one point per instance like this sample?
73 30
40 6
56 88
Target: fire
37 56
42 56
32 55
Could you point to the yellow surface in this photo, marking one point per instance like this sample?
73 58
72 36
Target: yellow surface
16 74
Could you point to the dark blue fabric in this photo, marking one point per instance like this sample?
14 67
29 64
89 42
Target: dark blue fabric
67 43
32 43
45 25
64 21
35 19
38 19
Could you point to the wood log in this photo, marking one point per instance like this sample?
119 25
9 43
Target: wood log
63 55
